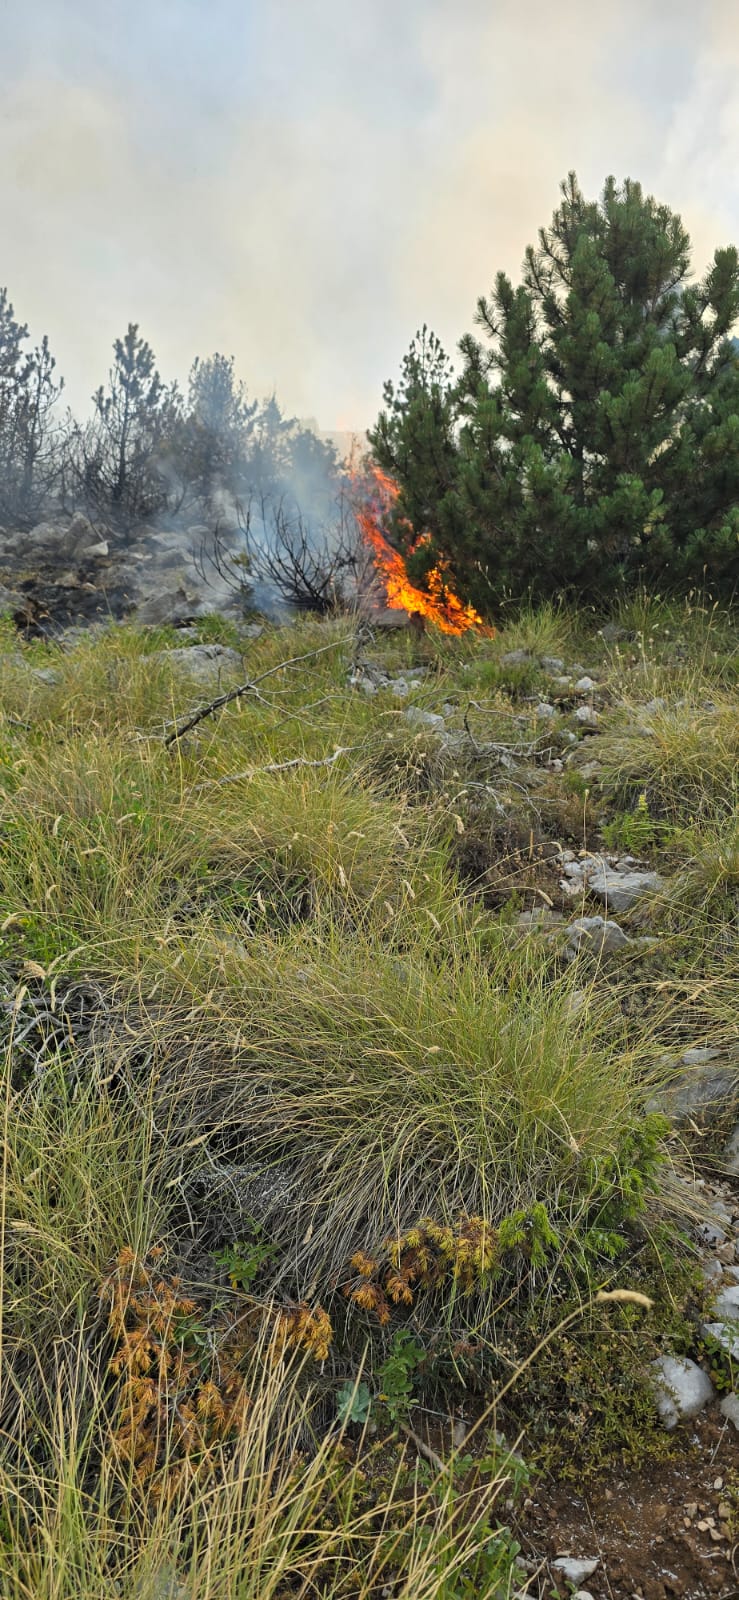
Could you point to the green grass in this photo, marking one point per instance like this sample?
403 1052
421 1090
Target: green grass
256 988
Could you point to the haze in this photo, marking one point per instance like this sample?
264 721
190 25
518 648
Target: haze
301 185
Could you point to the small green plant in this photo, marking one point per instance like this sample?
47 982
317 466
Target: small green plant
353 1403
244 1259
397 1373
636 831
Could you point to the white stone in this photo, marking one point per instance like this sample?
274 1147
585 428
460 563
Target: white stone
575 1570
584 685
594 933
726 1334
203 662
699 1056
729 1407
681 1387
545 711
726 1304
423 719
587 716
620 890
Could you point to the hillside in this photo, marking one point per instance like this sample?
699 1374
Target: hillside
365 1030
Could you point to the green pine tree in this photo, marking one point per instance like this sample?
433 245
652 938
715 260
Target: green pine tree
592 436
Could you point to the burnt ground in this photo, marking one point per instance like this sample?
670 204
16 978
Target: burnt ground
668 1529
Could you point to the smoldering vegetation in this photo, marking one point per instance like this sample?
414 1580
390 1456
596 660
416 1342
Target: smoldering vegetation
254 499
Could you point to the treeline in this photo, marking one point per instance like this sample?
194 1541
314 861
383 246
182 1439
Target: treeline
147 450
590 439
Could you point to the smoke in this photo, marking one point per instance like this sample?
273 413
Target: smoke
304 185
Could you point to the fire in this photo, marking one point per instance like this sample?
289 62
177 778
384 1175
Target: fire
376 494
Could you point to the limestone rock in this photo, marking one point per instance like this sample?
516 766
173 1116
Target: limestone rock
619 890
203 662
515 658
419 718
729 1407
574 1569
596 934
681 1389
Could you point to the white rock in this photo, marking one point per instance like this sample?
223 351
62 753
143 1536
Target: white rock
203 662
594 933
726 1334
655 705
423 719
575 1570
681 1388
102 548
700 1055
726 1304
544 711
515 658
729 1407
552 664
620 890
587 716
584 685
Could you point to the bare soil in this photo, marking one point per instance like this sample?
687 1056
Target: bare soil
670 1529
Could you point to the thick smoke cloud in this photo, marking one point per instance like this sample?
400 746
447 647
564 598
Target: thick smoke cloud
302 185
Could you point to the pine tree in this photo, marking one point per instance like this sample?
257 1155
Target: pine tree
29 446
121 455
593 434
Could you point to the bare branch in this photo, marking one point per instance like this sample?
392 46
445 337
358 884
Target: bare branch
277 766
250 687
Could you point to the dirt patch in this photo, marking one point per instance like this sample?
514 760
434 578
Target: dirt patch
669 1530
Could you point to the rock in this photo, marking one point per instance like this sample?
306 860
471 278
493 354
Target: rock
102 548
658 704
726 1305
699 1055
399 687
516 658
172 606
253 630
544 711
552 664
700 1093
575 1570
619 890
596 934
729 1407
204 662
9 600
681 1389
731 1153
423 719
45 675
584 685
726 1334
587 716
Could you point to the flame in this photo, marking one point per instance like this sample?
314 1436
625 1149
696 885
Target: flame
375 496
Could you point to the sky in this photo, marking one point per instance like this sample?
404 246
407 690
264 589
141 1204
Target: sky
302 183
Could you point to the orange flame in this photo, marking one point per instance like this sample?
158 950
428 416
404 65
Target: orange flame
376 494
